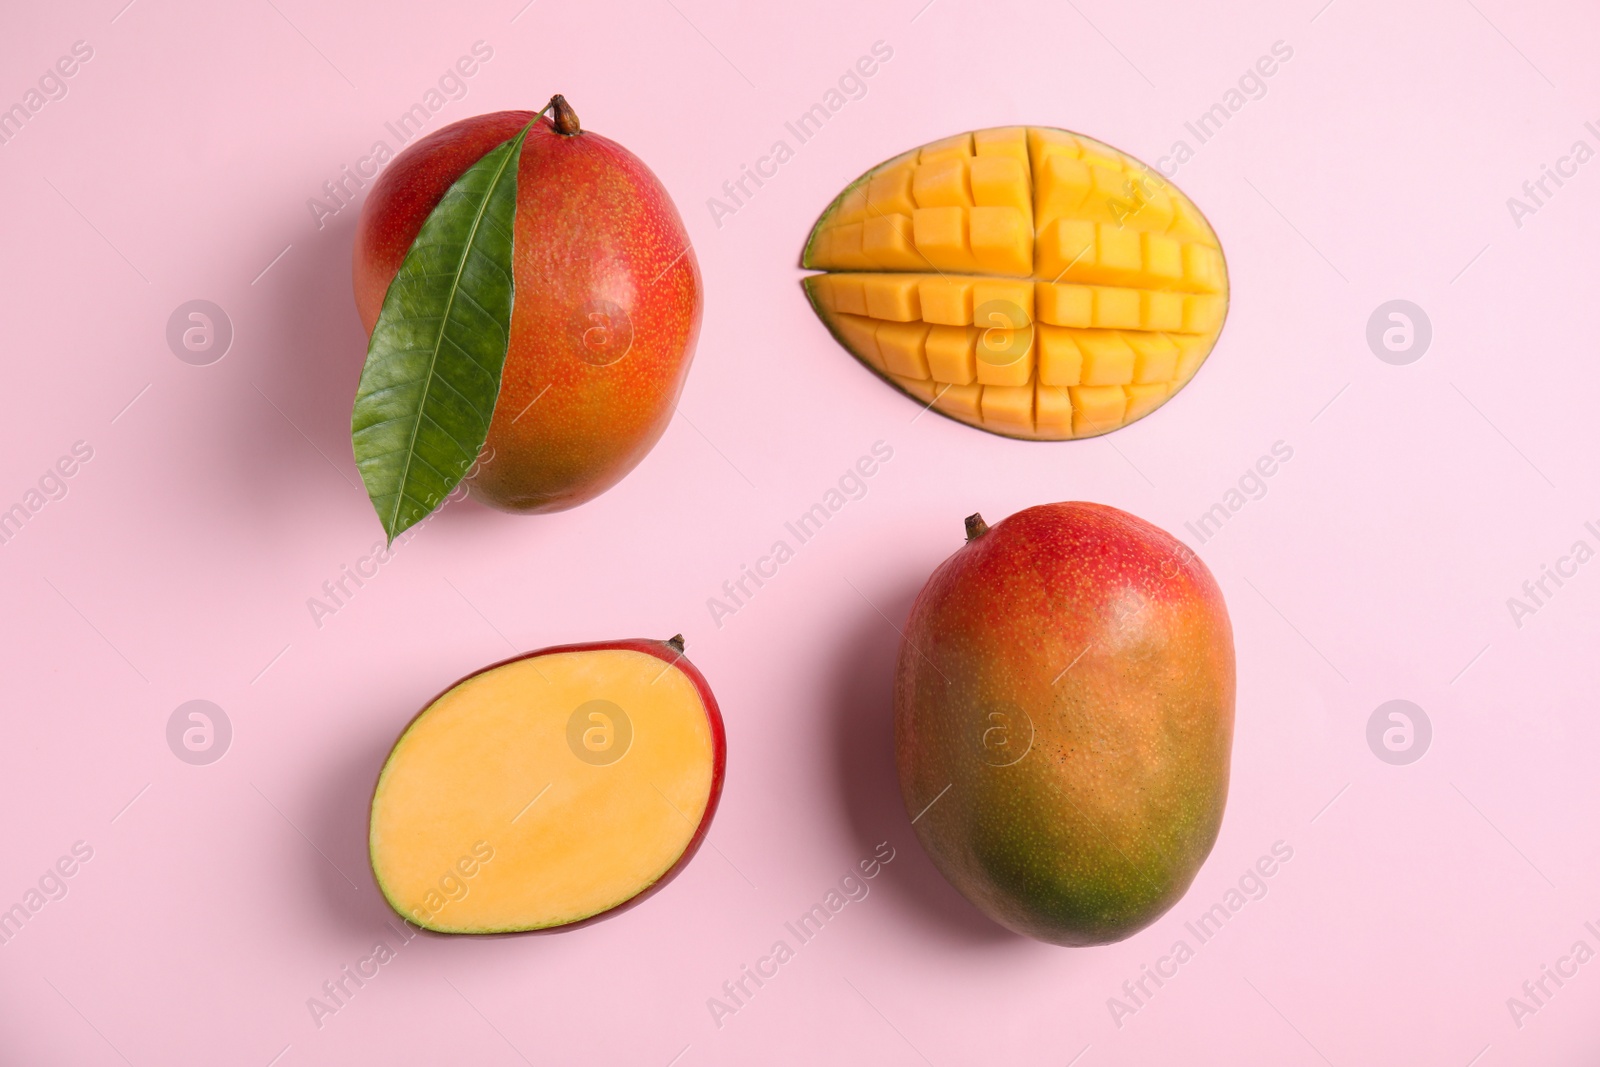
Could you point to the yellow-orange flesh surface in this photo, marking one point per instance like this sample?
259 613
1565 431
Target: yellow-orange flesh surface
1029 281
542 792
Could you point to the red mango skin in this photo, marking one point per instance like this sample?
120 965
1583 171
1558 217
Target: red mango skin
607 309
1069 674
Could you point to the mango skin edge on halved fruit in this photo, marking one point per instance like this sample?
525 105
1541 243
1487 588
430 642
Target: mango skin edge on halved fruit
1028 281
549 790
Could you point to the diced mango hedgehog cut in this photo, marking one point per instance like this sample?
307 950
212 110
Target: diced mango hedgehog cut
1028 281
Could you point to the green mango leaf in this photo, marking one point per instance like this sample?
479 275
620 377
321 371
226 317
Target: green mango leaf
432 375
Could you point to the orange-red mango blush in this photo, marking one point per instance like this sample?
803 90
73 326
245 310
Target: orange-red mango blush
608 301
1064 720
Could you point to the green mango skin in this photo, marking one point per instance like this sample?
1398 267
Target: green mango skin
1069 675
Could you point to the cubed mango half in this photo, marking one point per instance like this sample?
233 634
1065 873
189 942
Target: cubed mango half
1029 281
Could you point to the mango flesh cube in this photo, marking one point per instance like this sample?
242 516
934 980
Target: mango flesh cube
889 193
1116 308
1002 240
1063 187
1145 204
1160 311
1203 314
1192 351
961 401
1117 253
1155 356
1060 359
853 206
1001 303
1069 305
1188 224
1107 358
888 240
946 300
1097 409
1009 406
941 236
843 292
957 147
1066 249
920 388
1202 268
1162 208
1028 281
1001 181
1105 199
942 184
1143 399
900 345
1007 141
845 247
1005 357
1052 410
860 335
892 296
952 354
1163 258
820 250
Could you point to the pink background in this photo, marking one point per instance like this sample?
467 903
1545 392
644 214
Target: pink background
1377 567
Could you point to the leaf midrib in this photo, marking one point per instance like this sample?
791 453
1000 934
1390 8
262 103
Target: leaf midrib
444 321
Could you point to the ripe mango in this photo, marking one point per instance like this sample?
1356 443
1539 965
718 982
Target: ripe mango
1063 720
607 310
549 790
1029 281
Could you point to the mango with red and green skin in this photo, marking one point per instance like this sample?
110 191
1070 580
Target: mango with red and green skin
607 308
1063 720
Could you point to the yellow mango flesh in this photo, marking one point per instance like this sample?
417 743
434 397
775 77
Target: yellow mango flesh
486 820
1025 280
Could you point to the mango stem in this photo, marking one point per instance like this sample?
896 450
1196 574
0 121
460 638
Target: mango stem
564 119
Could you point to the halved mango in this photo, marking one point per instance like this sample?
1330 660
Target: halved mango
977 236
551 789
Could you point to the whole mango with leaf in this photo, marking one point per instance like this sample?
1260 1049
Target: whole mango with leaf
533 304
